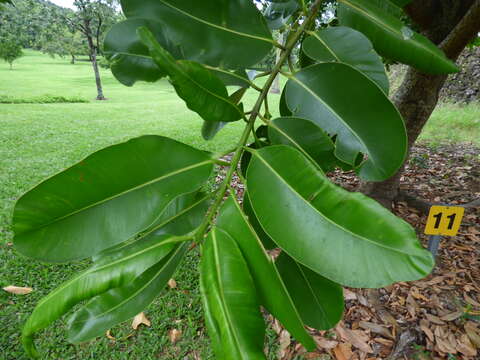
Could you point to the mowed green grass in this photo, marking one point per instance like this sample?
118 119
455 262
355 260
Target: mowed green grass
38 140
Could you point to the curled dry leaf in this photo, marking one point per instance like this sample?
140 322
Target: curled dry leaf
172 284
17 290
174 335
140 319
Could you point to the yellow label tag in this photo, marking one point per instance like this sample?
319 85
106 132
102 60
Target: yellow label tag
444 220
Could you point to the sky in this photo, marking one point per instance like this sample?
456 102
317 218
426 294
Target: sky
64 3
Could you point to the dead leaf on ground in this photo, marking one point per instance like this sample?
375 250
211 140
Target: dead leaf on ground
108 334
355 337
140 319
174 335
284 343
172 284
18 290
376 328
323 343
343 352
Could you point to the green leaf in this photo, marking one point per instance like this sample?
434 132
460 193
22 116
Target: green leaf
278 14
106 198
368 122
319 300
201 90
210 128
270 288
392 39
232 312
307 137
215 33
130 59
345 237
342 44
114 270
267 242
122 303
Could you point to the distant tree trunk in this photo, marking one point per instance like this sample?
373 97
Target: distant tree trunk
72 61
452 24
93 57
11 65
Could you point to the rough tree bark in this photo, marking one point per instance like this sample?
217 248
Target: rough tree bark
451 24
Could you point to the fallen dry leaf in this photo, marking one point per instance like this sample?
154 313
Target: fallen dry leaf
376 328
174 335
140 319
172 284
323 343
355 337
284 343
473 334
17 290
452 316
343 352
108 334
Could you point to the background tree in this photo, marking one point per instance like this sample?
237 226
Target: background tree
92 19
10 50
69 43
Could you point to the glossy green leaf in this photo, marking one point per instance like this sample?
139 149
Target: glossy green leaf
318 300
201 90
342 44
106 198
345 237
114 270
215 33
232 311
267 242
307 137
368 122
270 288
130 59
181 216
391 38
278 14
122 303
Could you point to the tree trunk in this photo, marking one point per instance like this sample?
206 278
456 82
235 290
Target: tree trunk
452 24
72 61
93 56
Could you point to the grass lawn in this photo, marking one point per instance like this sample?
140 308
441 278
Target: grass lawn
38 140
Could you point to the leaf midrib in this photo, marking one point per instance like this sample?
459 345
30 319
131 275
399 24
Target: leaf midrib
224 306
325 217
215 25
389 28
160 178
